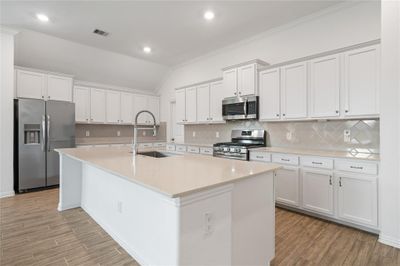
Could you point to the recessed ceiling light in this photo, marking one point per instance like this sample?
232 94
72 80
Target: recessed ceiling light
209 15
147 49
42 17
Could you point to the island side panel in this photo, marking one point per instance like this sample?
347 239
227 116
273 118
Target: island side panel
253 220
206 227
144 222
70 183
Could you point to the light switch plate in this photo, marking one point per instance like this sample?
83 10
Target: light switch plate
194 134
87 133
289 135
346 135
118 133
217 134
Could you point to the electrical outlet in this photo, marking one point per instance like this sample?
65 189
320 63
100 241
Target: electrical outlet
118 133
217 134
144 133
119 206
208 223
87 133
194 134
346 135
289 135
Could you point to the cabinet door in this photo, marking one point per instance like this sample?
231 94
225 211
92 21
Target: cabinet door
269 91
97 105
325 86
191 105
113 106
140 104
247 80
230 82
216 97
30 84
203 103
357 199
294 91
59 88
287 186
153 105
82 104
126 108
361 81
318 191
180 97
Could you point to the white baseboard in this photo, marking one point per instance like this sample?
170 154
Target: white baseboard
7 194
61 208
388 240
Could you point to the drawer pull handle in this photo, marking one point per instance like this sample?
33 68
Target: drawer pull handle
330 180
319 163
259 157
357 167
285 160
340 182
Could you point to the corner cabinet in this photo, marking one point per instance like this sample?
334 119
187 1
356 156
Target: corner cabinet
361 81
39 85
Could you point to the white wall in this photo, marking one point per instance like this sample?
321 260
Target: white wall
6 113
334 28
38 50
389 179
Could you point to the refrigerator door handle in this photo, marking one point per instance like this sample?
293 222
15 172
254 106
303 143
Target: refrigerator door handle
43 133
48 133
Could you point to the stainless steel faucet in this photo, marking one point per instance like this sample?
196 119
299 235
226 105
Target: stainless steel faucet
135 129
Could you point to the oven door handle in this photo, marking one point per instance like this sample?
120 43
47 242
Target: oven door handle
245 107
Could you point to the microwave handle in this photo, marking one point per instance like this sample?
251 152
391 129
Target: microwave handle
245 107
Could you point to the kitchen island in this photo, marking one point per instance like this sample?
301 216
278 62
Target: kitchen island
178 210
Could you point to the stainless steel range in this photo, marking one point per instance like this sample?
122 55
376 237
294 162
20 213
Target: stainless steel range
242 141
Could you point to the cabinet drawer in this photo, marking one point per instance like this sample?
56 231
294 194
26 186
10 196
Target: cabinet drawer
193 149
357 167
260 156
206 151
285 159
317 162
180 148
145 145
170 147
158 144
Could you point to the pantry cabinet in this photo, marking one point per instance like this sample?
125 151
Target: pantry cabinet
357 199
97 105
318 189
270 87
287 186
325 86
294 91
82 104
361 81
113 105
38 85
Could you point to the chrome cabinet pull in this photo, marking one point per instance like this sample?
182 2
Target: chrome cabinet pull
356 167
319 163
285 160
259 157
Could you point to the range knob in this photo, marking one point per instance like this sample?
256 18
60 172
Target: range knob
226 149
232 149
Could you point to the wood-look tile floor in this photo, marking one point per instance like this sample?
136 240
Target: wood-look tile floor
33 232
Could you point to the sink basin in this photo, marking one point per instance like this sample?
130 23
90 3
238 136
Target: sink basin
156 154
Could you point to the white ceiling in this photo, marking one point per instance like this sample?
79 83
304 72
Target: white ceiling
176 31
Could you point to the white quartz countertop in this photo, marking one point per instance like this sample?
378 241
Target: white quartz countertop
173 176
323 153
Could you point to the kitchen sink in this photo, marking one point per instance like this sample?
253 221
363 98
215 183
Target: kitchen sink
156 154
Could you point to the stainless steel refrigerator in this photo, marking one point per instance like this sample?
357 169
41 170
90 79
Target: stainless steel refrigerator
39 128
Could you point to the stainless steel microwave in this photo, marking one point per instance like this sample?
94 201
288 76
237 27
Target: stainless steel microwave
240 108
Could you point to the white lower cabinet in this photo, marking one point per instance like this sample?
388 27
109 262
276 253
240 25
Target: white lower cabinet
357 199
287 186
318 191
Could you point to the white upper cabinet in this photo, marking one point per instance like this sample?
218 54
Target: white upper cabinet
59 88
247 80
269 81
153 105
180 97
361 81
230 82
294 91
325 86
38 85
113 106
216 97
97 105
149 103
203 103
191 105
30 84
82 104
126 108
